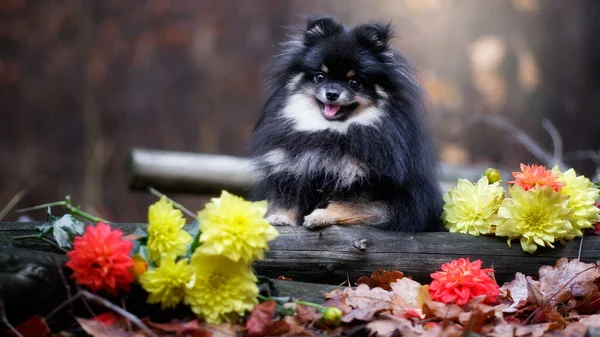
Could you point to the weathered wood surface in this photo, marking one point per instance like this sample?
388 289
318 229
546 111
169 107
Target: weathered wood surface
335 254
31 283
184 172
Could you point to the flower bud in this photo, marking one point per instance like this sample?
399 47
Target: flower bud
493 175
332 316
139 267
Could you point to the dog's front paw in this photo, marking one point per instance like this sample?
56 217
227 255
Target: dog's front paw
319 218
280 219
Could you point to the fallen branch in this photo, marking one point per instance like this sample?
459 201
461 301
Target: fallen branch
12 203
549 159
5 320
84 294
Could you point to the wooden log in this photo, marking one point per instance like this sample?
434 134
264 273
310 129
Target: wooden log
182 172
335 254
31 284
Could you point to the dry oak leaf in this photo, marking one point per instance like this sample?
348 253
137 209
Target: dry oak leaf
568 279
307 314
381 278
532 330
388 326
35 326
195 328
337 298
409 291
548 313
442 311
588 305
295 328
571 330
276 328
477 317
365 303
408 297
592 321
521 291
98 329
443 331
261 318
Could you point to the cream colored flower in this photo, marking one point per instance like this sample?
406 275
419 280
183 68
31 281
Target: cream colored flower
472 208
582 198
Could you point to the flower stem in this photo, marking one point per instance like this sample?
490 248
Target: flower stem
69 206
304 303
310 304
23 237
51 204
54 244
85 215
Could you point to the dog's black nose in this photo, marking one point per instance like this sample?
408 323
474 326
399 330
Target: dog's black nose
332 95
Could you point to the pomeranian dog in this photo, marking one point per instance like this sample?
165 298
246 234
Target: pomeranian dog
343 137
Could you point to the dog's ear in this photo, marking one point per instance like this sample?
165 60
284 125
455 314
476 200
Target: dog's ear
375 36
318 28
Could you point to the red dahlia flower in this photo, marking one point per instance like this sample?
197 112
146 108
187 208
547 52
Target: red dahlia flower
460 281
100 259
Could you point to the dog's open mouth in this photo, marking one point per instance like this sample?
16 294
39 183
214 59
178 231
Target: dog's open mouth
334 111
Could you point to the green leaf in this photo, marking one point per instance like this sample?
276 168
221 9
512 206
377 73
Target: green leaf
195 243
145 254
136 247
71 225
46 228
62 238
193 228
143 237
140 232
65 229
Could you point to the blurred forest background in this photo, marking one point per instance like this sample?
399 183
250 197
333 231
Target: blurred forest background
82 82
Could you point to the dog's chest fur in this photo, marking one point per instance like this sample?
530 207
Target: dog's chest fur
342 171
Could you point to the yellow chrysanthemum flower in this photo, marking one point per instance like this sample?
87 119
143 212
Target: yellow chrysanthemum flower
167 283
536 217
582 198
472 208
165 231
222 290
235 228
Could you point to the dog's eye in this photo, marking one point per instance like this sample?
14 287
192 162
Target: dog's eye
319 78
354 84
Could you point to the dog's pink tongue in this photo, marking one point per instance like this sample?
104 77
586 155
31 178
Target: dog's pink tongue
331 109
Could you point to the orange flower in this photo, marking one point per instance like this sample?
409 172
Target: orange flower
100 259
534 176
460 281
140 266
